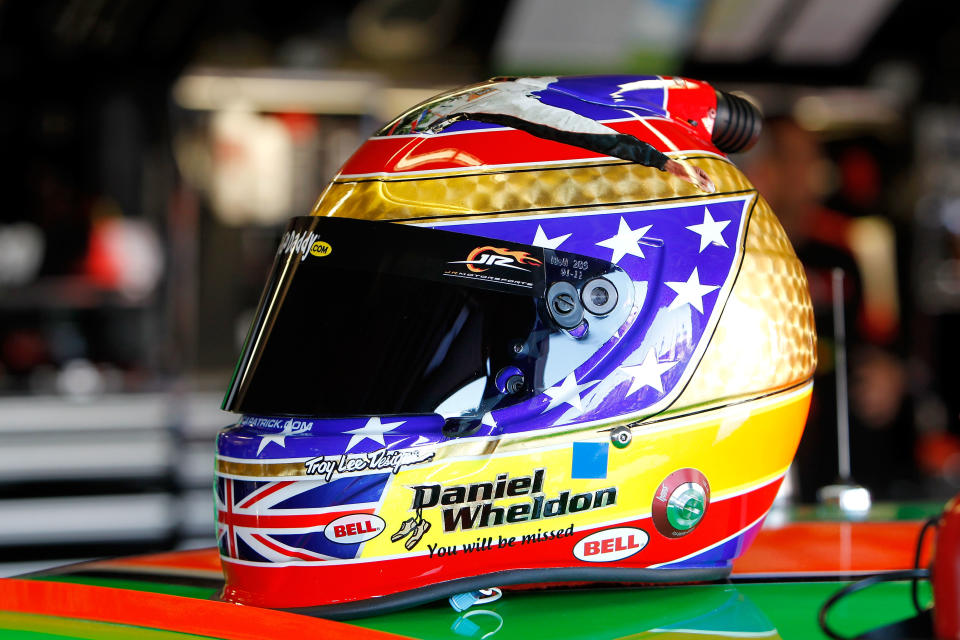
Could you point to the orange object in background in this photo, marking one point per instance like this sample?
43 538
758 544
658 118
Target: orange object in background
173 613
836 548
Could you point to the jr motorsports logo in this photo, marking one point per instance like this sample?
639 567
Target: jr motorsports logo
482 258
495 265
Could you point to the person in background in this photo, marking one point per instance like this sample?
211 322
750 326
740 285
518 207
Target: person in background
790 170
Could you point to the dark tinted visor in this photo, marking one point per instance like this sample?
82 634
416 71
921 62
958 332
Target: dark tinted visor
371 318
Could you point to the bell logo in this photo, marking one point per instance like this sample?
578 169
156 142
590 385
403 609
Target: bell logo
354 528
610 545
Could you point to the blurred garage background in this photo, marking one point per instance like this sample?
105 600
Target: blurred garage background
153 150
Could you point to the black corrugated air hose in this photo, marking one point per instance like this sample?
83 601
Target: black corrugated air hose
737 125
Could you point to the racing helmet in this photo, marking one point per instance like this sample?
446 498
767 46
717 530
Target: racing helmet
536 330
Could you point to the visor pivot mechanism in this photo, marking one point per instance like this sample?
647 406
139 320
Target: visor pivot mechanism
510 380
563 304
599 296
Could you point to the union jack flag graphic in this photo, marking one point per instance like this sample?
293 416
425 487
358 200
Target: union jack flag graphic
284 521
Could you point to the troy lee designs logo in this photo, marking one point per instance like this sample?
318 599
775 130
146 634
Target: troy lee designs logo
329 467
482 258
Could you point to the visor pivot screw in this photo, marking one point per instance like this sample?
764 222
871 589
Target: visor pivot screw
563 303
510 380
621 437
518 347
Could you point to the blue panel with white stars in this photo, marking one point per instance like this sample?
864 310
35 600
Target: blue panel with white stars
683 255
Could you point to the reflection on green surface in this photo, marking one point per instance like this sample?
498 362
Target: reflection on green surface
187 591
787 610
879 512
23 626
793 607
596 613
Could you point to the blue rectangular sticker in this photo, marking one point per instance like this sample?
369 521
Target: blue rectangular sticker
589 460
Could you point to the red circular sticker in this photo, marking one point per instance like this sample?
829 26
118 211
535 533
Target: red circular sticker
680 503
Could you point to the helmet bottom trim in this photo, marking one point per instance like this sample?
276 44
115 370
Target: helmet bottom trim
397 601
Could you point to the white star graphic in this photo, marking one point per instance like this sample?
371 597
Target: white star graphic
541 239
625 242
373 430
690 292
567 393
274 437
648 373
710 230
488 420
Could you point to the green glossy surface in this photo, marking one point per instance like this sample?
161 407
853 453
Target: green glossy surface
200 593
793 607
760 610
879 512
22 626
787 610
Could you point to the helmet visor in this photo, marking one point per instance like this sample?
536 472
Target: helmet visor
371 318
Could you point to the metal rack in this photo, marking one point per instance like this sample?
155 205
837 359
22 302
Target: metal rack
113 475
